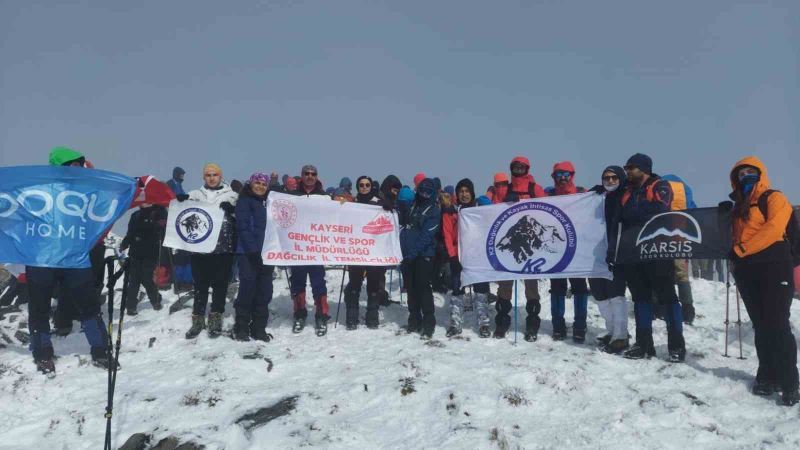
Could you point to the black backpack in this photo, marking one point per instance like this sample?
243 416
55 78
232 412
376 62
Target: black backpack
792 234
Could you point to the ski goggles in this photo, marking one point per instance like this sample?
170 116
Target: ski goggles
562 174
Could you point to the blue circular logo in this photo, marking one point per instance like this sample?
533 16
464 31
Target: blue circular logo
531 237
194 225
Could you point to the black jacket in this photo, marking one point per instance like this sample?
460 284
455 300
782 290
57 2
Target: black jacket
146 232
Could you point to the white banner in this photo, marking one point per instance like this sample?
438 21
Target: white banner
193 226
553 237
317 231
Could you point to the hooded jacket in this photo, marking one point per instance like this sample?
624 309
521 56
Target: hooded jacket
62 155
521 187
174 183
450 218
226 243
567 189
251 221
755 237
420 224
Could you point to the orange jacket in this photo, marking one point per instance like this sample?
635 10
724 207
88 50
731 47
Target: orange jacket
756 233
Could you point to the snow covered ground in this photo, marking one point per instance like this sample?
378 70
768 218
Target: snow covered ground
385 389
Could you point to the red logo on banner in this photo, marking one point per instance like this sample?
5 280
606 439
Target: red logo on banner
379 225
284 212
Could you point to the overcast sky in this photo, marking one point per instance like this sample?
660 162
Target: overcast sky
451 88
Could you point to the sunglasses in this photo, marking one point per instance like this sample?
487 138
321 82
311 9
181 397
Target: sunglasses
364 185
562 174
610 178
310 174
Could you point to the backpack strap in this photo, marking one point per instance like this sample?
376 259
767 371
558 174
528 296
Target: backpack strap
762 202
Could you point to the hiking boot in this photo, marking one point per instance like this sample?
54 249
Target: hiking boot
615 347
677 355
260 334
530 337
453 331
640 351
298 325
427 334
764 388
413 326
104 362
198 325
240 332
321 324
578 336
604 340
484 331
500 333
157 305
214 324
46 366
790 397
559 335
131 311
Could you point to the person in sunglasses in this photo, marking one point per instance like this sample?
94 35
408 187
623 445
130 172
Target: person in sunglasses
420 222
645 196
309 185
365 194
610 294
522 186
763 263
564 184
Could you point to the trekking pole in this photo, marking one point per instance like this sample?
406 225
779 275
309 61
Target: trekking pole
391 278
339 305
739 323
727 308
113 353
515 312
400 283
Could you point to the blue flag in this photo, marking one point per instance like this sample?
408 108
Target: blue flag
52 216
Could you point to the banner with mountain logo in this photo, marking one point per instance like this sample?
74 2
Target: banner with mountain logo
701 233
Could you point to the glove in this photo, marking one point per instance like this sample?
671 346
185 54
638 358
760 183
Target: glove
227 207
725 206
610 261
599 189
182 197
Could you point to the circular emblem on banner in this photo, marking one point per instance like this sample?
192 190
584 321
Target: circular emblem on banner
531 237
194 225
284 212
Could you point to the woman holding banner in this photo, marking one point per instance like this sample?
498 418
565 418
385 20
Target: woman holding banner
255 278
610 294
213 270
762 266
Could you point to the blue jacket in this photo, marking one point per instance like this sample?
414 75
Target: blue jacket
251 222
176 186
639 204
420 223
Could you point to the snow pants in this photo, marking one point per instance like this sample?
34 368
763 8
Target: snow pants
255 290
650 280
417 274
210 271
77 289
766 289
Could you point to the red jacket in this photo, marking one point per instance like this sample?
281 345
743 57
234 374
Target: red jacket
450 231
569 188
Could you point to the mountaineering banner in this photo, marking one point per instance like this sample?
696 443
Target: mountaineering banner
193 226
52 216
551 237
317 231
700 233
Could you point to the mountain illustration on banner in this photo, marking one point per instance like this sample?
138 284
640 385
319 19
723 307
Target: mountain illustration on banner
379 225
671 225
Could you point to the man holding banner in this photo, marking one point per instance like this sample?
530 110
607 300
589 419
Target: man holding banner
647 196
50 217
